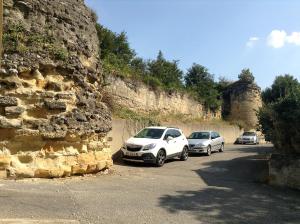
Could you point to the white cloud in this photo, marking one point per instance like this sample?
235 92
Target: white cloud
279 38
294 38
251 42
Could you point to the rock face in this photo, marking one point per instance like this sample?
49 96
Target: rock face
241 102
52 120
141 98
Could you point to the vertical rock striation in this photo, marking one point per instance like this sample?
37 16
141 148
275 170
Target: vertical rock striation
241 103
52 120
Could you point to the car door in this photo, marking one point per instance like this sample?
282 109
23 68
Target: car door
214 141
170 145
178 144
218 141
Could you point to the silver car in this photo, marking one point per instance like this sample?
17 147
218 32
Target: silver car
248 137
205 142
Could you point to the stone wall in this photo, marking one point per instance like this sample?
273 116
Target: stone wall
52 120
141 98
124 129
284 170
241 102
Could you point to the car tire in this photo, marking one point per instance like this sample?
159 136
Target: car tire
184 154
160 158
222 148
208 150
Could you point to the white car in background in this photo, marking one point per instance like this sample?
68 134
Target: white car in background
205 142
248 137
156 145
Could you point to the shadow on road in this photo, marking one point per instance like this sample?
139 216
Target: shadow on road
236 194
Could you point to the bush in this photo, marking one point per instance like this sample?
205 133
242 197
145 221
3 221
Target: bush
280 117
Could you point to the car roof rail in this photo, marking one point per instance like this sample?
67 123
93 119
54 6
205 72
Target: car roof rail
174 127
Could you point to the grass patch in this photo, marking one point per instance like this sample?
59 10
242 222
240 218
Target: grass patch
126 113
16 39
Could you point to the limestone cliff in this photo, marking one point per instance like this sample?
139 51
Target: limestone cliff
142 98
52 120
241 102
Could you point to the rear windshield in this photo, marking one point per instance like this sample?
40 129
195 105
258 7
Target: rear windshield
249 134
199 135
151 133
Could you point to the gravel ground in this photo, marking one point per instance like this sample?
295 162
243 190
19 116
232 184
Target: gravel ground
224 188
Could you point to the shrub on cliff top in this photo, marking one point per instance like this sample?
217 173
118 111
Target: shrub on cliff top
280 116
201 82
246 76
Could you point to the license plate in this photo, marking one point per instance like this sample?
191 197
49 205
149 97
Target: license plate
131 154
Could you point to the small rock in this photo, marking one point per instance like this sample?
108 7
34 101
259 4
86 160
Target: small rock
13 71
55 105
3 71
6 12
10 123
14 111
8 101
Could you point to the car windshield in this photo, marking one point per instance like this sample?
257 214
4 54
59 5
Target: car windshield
249 134
153 133
199 135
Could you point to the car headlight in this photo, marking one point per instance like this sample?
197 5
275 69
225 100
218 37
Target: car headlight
150 146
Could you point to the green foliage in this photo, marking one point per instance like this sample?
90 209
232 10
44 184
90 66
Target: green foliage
14 38
246 76
114 44
282 87
223 84
201 82
17 40
168 73
126 113
280 116
120 60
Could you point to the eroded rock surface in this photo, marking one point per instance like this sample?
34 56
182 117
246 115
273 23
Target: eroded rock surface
52 120
242 100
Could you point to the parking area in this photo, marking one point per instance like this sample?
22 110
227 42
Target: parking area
226 187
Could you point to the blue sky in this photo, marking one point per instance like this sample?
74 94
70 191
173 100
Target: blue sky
223 35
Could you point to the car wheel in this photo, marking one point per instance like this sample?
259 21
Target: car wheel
161 158
222 148
208 150
185 154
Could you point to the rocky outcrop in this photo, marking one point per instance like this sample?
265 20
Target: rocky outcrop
141 98
241 103
52 120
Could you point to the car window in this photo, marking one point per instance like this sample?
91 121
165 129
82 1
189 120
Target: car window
199 135
217 135
176 133
213 135
168 133
249 134
151 133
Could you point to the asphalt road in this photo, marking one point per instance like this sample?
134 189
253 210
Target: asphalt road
224 188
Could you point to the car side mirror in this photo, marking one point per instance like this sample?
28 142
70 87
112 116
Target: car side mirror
169 138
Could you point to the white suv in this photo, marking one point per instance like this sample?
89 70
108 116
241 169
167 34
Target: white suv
155 145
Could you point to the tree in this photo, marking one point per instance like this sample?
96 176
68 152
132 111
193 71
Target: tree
246 76
223 84
114 44
280 115
167 72
282 87
200 81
